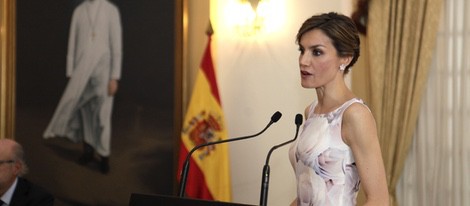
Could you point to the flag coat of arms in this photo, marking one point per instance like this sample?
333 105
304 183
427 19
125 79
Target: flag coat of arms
209 174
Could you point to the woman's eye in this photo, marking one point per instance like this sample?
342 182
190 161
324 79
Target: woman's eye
301 50
317 52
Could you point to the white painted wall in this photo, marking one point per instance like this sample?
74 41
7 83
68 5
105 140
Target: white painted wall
258 76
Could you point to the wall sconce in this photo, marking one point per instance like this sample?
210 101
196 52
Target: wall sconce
251 17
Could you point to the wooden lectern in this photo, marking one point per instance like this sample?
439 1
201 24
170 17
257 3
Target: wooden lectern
163 200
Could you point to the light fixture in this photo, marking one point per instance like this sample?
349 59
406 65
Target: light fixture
248 19
253 17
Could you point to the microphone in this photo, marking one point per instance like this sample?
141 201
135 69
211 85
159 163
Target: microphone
265 177
184 173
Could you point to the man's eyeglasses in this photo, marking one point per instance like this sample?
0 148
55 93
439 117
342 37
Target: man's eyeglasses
6 162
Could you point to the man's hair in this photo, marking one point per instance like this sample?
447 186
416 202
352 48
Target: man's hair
18 155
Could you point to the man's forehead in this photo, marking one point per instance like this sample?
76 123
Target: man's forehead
6 146
7 143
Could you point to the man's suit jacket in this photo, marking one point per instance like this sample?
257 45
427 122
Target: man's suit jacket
28 194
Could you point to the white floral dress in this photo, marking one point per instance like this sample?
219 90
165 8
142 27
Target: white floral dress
324 165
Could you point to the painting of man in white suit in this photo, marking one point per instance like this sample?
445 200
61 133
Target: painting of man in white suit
94 58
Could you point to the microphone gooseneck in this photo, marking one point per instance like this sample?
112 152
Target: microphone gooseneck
266 170
184 173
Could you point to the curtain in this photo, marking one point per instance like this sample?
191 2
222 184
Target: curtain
437 168
401 36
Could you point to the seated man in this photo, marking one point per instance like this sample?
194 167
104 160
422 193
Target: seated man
15 190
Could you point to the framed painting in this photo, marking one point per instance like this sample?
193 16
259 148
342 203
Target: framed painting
146 113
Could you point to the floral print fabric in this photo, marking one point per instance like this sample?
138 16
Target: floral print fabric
323 164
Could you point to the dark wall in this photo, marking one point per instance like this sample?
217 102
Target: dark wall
148 51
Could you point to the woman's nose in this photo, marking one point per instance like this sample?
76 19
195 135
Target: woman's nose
304 60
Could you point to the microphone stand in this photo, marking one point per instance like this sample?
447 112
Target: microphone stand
184 174
266 170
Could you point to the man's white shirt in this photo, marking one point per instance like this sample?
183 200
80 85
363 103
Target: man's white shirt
6 198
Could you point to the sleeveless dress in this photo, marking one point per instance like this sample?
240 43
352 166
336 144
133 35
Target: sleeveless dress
324 165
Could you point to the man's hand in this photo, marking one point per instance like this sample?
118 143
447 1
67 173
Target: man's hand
112 87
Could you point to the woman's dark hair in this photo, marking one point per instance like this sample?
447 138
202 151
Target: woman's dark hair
340 29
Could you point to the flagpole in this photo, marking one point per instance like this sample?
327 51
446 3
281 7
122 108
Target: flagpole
209 30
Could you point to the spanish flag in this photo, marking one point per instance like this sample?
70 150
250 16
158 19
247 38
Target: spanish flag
209 176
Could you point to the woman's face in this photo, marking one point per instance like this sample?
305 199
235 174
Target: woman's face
318 60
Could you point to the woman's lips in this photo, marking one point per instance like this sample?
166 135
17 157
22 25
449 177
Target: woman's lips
305 73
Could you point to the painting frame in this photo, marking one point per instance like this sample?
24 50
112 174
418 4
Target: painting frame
8 66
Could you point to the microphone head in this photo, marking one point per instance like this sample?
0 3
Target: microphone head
298 119
276 116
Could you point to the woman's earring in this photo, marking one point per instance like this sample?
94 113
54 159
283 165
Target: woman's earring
342 67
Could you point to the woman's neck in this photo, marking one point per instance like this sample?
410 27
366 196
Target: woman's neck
330 98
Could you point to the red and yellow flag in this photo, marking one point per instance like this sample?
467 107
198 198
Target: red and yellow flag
209 175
